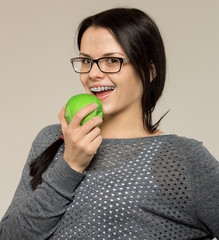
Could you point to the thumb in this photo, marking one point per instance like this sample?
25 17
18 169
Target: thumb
62 119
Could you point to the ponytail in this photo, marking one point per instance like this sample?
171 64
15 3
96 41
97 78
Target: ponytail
42 162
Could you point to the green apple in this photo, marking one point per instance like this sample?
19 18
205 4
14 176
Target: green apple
79 101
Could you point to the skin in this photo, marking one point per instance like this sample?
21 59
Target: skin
121 108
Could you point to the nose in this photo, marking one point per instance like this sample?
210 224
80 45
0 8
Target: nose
95 72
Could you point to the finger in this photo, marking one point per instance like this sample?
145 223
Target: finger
81 114
91 124
62 119
92 147
96 143
94 133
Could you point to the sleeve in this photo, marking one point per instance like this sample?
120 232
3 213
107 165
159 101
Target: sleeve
35 214
206 189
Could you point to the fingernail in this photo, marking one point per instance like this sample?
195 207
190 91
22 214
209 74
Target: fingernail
94 105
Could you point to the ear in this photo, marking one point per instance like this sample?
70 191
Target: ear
153 72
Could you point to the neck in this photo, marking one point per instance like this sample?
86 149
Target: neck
123 127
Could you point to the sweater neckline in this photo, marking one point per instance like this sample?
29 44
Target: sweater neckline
137 138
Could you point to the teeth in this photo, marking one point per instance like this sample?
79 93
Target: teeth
100 89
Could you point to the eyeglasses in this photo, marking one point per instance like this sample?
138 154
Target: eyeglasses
105 64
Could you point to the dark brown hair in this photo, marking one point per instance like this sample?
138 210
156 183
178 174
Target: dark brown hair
141 40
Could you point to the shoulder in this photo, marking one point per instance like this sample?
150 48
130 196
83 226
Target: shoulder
50 132
46 137
191 150
182 143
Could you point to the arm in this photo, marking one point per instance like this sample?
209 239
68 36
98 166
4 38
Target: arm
35 214
206 189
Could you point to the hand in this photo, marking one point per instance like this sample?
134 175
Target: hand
81 142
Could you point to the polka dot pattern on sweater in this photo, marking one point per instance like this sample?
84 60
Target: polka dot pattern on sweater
131 191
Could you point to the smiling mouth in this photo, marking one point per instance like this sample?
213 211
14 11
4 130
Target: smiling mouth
102 92
101 89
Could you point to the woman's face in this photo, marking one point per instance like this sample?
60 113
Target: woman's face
125 97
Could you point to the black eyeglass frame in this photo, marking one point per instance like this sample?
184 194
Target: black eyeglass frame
92 61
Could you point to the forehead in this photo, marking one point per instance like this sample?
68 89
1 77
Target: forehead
98 41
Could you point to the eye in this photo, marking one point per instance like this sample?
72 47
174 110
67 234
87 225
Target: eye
111 61
85 61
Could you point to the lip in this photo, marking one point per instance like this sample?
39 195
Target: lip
103 96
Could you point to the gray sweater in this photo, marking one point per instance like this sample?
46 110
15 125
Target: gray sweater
162 187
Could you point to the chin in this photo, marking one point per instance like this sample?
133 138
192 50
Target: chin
109 112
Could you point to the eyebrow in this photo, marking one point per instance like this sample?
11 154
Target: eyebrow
104 55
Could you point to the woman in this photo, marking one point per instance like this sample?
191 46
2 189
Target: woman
119 177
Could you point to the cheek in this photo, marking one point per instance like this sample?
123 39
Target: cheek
134 84
83 80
